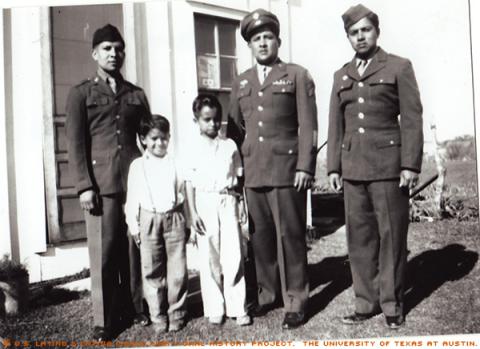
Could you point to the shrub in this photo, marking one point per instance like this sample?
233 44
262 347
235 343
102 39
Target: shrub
10 269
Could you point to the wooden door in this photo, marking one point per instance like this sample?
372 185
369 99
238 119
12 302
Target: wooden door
72 31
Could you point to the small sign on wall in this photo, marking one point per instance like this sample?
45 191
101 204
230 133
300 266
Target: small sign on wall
207 71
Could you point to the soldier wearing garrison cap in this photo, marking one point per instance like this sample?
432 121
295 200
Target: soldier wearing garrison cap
274 118
375 147
103 114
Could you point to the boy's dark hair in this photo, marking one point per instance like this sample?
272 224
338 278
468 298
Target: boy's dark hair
151 121
204 100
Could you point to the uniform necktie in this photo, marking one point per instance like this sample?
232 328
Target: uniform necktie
264 73
361 66
112 84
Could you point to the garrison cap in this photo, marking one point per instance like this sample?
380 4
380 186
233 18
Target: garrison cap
256 19
107 33
356 13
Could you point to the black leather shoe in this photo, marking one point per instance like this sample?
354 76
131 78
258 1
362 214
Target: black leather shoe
260 310
141 319
357 318
395 322
101 334
293 320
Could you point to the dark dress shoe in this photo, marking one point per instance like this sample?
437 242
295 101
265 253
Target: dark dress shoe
293 320
357 318
395 322
101 334
260 310
141 319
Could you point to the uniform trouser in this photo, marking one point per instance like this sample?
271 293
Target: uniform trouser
135 276
222 278
278 223
377 224
108 252
164 267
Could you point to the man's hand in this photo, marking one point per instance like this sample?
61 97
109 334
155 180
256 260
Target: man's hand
198 224
303 180
136 239
336 182
88 200
242 212
408 179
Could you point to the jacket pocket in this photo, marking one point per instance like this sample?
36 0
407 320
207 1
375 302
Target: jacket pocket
134 101
288 147
245 101
346 144
284 99
96 101
388 141
382 80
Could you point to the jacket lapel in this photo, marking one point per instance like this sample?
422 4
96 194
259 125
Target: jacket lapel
102 87
279 70
352 70
377 63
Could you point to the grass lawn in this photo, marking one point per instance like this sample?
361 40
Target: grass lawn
442 298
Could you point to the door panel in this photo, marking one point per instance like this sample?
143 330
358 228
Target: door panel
72 31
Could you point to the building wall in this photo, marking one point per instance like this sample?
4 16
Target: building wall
160 58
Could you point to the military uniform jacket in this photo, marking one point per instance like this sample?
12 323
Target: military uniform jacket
367 140
277 122
101 129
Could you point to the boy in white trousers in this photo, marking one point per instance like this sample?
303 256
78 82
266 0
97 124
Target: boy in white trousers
216 206
153 212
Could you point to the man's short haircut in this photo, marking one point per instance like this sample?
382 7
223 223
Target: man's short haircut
150 121
205 100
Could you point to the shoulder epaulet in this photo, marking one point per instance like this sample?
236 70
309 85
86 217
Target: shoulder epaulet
83 82
131 85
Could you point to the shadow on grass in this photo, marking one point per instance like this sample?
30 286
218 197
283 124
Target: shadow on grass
328 214
53 296
334 272
431 269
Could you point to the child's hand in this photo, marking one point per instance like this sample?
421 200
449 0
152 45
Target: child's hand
198 224
192 239
136 239
242 212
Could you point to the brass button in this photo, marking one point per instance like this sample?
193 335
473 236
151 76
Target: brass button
119 146
260 93
360 84
260 139
117 117
361 130
260 123
361 100
260 108
361 115
118 132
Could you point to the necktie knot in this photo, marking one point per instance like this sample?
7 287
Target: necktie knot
362 66
113 84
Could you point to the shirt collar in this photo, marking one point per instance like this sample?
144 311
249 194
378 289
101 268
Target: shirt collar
102 74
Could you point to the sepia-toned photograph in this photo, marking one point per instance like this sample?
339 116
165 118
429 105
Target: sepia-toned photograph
239 173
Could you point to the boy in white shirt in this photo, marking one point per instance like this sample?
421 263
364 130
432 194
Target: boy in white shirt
216 209
153 213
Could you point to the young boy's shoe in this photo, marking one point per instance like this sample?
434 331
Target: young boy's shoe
160 327
141 319
176 325
216 320
244 320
